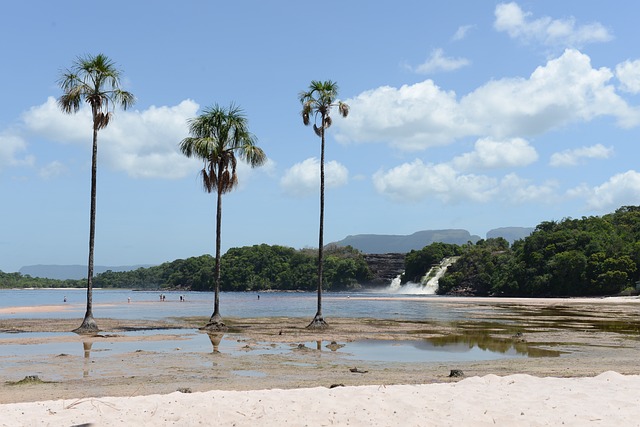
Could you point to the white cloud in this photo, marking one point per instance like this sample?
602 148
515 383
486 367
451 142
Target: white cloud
304 178
493 154
620 190
11 145
52 170
517 190
416 181
576 156
415 117
411 117
628 73
461 32
140 143
438 62
511 19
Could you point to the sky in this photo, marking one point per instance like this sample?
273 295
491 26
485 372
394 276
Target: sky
463 114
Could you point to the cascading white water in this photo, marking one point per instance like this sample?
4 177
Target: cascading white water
429 283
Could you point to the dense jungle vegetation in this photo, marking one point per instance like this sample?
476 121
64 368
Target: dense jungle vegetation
590 256
574 257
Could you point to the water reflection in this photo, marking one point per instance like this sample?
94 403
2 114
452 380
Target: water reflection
86 346
486 342
215 338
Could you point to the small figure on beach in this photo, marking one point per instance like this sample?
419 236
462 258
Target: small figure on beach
129 300
65 298
181 299
258 296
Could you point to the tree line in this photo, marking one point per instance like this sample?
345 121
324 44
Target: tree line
250 268
591 256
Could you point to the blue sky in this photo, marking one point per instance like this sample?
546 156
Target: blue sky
464 114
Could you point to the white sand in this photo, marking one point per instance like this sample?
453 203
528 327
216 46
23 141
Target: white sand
609 399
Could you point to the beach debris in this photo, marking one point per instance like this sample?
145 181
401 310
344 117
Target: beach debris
518 337
184 390
334 346
456 373
357 371
336 385
29 379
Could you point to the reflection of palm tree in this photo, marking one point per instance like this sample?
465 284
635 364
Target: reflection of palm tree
95 80
215 341
217 136
86 345
318 101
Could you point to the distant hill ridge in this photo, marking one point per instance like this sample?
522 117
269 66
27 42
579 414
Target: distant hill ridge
74 272
385 243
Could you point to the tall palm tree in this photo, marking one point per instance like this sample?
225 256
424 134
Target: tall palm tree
95 80
217 135
318 101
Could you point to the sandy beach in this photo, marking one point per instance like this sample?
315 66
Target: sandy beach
579 368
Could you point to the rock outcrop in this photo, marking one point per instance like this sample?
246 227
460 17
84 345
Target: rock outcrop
385 267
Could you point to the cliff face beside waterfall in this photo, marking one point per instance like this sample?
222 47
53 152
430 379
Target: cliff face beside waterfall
385 268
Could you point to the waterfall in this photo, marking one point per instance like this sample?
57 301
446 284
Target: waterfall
428 284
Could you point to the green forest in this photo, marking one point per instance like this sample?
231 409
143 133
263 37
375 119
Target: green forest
258 267
591 256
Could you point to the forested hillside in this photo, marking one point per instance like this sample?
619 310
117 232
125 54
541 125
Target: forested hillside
587 257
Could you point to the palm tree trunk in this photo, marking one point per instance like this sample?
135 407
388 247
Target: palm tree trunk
89 325
215 322
318 320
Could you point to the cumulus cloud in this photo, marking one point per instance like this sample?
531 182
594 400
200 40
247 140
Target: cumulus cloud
565 90
577 156
412 117
621 189
417 181
11 147
510 18
304 178
143 144
438 62
628 73
492 154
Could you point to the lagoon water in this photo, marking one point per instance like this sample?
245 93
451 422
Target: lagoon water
50 303
147 305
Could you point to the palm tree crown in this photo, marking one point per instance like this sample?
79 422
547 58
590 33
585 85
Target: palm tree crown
216 136
94 79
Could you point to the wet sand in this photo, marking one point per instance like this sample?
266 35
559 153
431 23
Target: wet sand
563 338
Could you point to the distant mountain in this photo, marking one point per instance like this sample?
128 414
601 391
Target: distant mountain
511 234
64 272
384 243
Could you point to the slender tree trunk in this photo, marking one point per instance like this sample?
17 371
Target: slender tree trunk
89 325
318 320
215 322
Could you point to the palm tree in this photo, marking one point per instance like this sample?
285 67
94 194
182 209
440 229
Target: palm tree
95 80
318 101
216 136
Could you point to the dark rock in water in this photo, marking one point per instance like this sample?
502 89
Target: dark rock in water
456 373
385 267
